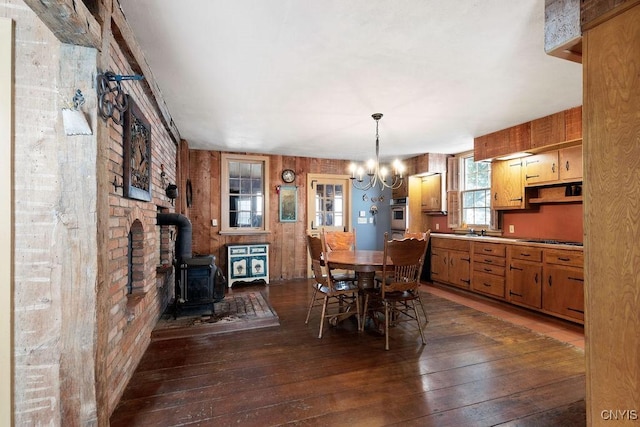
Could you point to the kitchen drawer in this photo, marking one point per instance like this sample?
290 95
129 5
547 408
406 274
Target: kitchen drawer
455 244
561 257
489 268
488 259
495 249
526 253
488 284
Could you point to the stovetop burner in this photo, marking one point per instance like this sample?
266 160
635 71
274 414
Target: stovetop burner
552 242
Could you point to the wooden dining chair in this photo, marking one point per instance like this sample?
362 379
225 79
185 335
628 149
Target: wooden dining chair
336 294
399 286
339 240
417 235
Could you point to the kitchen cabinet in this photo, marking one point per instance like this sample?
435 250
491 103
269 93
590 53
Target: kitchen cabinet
503 142
524 276
489 268
570 164
507 190
553 167
573 123
549 130
563 287
433 196
402 191
451 262
541 168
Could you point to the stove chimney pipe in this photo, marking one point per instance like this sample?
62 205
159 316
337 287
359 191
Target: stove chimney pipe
183 242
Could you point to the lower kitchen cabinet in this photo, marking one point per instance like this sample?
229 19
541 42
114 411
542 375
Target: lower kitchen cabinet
563 287
524 276
488 268
451 262
542 278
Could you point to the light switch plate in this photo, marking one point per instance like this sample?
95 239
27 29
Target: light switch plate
512 228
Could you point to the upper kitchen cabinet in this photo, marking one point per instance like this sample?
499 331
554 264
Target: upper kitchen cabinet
573 123
433 194
548 130
503 142
570 167
402 191
553 131
507 190
541 168
554 167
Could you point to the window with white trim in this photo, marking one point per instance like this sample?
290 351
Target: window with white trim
475 197
245 203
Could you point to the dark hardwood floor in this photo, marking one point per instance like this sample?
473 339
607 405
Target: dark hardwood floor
476 370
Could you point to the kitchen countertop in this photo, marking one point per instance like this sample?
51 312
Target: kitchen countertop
545 243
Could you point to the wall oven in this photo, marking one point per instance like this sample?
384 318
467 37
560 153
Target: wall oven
399 215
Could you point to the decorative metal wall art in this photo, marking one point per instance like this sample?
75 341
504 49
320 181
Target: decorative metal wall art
112 100
137 153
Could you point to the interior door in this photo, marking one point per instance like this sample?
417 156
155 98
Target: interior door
328 204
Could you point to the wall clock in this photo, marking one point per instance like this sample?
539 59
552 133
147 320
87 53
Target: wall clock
288 176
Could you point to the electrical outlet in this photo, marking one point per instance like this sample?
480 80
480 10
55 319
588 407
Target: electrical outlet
512 228
214 222
437 226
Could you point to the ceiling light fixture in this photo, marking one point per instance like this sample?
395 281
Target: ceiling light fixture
376 172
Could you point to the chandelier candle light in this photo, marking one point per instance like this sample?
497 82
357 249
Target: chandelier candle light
376 172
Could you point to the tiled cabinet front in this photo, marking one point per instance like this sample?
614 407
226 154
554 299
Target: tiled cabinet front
247 263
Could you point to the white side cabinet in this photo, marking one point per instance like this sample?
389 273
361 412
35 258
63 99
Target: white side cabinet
247 262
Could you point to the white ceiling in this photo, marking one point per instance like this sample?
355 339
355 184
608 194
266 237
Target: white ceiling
302 78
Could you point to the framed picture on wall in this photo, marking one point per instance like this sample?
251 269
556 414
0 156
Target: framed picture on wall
288 203
136 134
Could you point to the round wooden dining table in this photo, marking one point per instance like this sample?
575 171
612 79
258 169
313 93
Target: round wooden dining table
365 263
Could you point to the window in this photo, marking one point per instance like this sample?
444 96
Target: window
476 192
245 203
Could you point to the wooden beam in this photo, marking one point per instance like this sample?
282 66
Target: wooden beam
69 20
123 34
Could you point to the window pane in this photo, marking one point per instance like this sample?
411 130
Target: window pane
246 193
476 194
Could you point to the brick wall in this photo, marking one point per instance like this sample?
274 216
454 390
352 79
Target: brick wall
78 334
133 316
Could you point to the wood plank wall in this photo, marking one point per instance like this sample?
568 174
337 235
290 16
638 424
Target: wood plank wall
612 190
287 253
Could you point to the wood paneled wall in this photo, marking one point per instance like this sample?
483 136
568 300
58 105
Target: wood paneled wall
288 250
611 52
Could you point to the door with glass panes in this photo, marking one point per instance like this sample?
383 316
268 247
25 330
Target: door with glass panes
328 204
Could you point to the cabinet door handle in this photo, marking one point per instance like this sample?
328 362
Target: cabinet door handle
467 281
535 279
487 250
525 254
511 293
519 199
487 261
511 267
495 196
564 259
566 166
553 167
486 284
531 176
549 280
465 259
488 269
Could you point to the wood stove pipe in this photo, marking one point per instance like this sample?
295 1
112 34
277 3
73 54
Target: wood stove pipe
183 242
